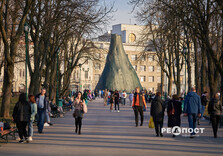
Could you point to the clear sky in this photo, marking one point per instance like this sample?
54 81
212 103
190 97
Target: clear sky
122 14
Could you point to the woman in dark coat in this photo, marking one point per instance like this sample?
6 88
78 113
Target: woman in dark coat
174 119
21 116
157 112
215 110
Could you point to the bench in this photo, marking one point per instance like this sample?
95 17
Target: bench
4 134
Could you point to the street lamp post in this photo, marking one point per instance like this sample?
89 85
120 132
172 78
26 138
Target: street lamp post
26 31
57 73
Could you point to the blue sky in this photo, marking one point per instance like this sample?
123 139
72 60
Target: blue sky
123 13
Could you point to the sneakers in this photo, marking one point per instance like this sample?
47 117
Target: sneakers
203 118
21 141
18 138
50 124
46 125
118 111
30 138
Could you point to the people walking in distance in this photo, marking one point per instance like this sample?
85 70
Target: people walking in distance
99 94
60 105
124 95
157 112
79 106
102 93
105 97
112 98
215 110
192 109
174 110
204 102
21 116
116 100
33 105
42 107
137 105
131 98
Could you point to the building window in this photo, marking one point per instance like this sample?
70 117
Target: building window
150 58
97 66
132 37
86 74
158 79
142 78
97 56
151 68
20 73
158 69
133 57
135 67
151 78
142 68
96 77
143 58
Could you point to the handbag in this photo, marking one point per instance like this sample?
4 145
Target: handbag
172 110
76 113
84 108
151 123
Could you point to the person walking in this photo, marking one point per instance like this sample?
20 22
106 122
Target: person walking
138 104
215 110
21 116
42 108
116 100
112 98
124 95
157 112
204 102
192 109
105 97
79 106
174 110
33 105
131 98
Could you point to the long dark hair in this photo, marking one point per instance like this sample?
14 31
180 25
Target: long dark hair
22 98
81 95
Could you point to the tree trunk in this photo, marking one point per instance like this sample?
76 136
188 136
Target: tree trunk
203 69
211 74
197 75
7 89
162 82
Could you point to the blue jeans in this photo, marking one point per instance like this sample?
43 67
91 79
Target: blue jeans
192 119
40 119
47 117
202 111
30 128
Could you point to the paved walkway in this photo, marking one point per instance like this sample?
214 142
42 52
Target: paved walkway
106 133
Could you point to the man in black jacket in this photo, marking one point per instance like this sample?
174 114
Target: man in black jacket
157 112
204 102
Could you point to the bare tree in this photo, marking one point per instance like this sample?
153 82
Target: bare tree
12 19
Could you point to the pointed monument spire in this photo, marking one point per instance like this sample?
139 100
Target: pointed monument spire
118 72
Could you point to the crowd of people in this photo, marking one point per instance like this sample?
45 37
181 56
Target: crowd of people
191 106
39 109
